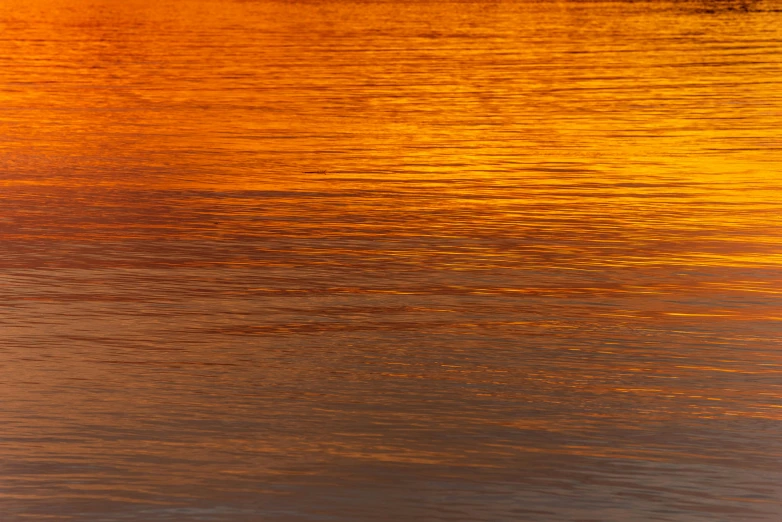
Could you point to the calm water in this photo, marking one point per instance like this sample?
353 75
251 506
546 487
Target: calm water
390 261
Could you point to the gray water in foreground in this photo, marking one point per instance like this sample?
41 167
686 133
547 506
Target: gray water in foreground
390 261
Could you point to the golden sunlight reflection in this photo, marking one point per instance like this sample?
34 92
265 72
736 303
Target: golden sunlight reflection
440 261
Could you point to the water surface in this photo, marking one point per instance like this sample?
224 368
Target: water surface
351 261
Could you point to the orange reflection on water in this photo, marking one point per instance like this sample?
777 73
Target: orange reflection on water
409 251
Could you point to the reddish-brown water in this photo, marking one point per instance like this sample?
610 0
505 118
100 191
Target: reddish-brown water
390 261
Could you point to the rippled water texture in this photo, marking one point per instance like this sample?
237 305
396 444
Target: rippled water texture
390 261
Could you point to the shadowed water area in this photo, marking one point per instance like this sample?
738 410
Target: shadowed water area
390 261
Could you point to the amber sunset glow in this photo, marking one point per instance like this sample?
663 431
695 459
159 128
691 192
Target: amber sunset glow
390 261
